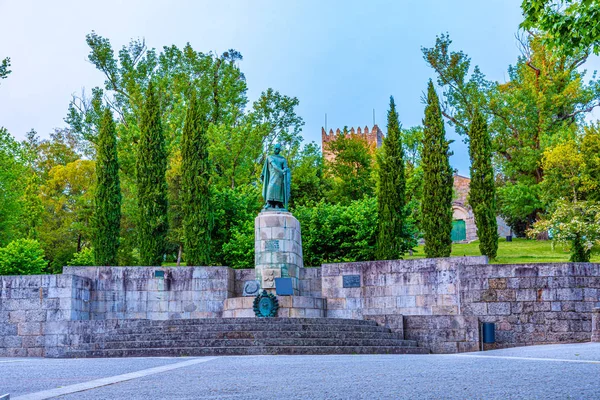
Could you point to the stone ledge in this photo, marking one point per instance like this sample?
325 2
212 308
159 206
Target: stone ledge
289 306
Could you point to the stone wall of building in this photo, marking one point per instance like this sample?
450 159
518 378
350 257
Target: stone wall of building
28 303
532 303
405 287
156 293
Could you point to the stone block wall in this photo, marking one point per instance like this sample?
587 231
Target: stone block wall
139 292
28 303
404 287
309 281
443 334
532 303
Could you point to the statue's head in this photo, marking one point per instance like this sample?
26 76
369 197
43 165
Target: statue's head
277 148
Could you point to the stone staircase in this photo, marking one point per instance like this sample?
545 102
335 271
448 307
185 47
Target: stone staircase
240 336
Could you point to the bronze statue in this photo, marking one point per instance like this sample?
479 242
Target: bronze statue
276 181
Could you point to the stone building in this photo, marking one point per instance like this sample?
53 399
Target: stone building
464 228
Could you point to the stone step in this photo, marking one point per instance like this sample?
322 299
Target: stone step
248 335
244 351
218 321
216 343
270 321
249 327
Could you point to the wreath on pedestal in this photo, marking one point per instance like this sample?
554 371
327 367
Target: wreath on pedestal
265 305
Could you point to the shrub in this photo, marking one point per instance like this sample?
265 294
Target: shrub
22 257
84 258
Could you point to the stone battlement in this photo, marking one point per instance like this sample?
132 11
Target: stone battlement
374 138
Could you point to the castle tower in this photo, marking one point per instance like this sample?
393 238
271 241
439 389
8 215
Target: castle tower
374 138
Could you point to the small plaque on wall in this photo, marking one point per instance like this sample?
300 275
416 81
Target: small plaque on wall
283 286
351 281
251 288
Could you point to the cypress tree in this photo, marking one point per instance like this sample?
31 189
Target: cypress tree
482 191
107 216
195 180
151 166
436 206
392 242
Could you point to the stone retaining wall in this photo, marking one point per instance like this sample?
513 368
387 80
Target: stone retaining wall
532 303
156 293
28 303
407 287
443 333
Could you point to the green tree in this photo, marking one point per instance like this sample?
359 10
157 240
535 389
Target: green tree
107 218
12 174
571 25
22 257
436 207
4 65
351 169
544 103
151 183
575 224
196 205
68 200
393 239
462 95
482 191
307 172
338 232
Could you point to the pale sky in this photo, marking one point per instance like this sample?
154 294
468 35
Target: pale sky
343 58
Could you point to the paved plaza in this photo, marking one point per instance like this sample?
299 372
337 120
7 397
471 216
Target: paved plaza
567 371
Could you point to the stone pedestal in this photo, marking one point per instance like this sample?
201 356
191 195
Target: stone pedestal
596 325
277 249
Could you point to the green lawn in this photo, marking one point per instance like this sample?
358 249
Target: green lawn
519 251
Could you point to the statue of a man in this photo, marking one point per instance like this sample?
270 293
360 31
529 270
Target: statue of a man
276 181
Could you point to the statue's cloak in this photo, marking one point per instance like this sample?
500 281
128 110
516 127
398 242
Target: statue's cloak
283 196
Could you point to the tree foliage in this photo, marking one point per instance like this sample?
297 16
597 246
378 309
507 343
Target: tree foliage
570 25
543 104
4 68
151 183
68 200
107 217
22 257
351 169
337 232
573 224
436 205
196 205
462 95
393 238
482 190
12 173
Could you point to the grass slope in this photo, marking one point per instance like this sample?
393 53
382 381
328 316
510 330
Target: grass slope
519 251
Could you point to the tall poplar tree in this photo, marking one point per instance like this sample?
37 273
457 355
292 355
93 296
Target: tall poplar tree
482 191
437 181
151 166
196 205
107 217
392 240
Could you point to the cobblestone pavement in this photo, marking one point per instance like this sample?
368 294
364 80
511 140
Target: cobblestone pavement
552 371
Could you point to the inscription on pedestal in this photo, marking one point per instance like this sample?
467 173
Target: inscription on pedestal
351 281
272 245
